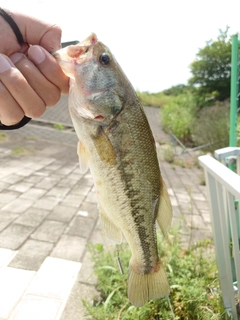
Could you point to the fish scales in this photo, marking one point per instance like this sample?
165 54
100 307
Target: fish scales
117 144
136 189
134 184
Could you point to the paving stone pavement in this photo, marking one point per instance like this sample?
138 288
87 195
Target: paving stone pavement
48 215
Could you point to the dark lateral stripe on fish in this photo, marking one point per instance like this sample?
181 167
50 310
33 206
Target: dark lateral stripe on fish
134 197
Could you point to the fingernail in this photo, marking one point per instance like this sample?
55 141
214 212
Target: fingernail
5 64
55 47
37 54
16 57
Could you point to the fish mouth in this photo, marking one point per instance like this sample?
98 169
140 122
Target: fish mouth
99 117
79 47
76 54
80 50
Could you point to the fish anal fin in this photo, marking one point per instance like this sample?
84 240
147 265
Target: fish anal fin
164 215
143 287
111 231
82 158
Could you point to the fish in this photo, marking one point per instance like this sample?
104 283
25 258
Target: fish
117 145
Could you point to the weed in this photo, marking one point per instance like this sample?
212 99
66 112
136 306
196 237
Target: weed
59 126
33 138
21 151
202 181
192 275
18 151
168 153
3 136
187 161
184 161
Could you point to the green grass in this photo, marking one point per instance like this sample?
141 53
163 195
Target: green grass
192 275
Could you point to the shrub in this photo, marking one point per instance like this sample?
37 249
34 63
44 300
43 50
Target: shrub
152 99
212 126
177 116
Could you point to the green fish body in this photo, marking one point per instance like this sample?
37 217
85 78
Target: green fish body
116 143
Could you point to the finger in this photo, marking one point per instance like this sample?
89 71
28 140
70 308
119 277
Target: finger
39 32
31 104
49 67
10 111
45 89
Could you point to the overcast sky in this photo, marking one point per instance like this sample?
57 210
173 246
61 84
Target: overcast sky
154 41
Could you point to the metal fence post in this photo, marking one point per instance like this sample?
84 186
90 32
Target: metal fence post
234 91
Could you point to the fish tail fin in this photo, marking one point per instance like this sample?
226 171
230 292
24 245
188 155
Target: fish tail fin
143 287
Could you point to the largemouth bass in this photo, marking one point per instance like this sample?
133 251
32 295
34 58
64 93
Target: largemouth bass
116 143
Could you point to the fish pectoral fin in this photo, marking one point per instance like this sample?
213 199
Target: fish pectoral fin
164 215
143 287
111 231
82 158
104 147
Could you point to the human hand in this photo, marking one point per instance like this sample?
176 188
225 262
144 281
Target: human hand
30 77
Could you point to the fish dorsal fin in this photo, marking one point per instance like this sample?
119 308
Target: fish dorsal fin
164 215
82 158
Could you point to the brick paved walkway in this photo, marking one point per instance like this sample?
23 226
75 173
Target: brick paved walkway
48 214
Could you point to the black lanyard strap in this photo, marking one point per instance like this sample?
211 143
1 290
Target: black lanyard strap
20 124
13 25
20 40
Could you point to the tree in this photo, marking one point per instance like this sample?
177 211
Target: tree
212 68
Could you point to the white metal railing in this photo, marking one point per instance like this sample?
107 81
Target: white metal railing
223 186
225 155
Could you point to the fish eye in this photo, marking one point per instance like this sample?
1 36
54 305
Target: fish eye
104 59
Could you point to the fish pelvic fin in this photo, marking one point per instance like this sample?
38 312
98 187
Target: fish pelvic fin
82 158
164 215
110 229
144 287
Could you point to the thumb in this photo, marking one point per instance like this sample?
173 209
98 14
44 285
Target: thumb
39 32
